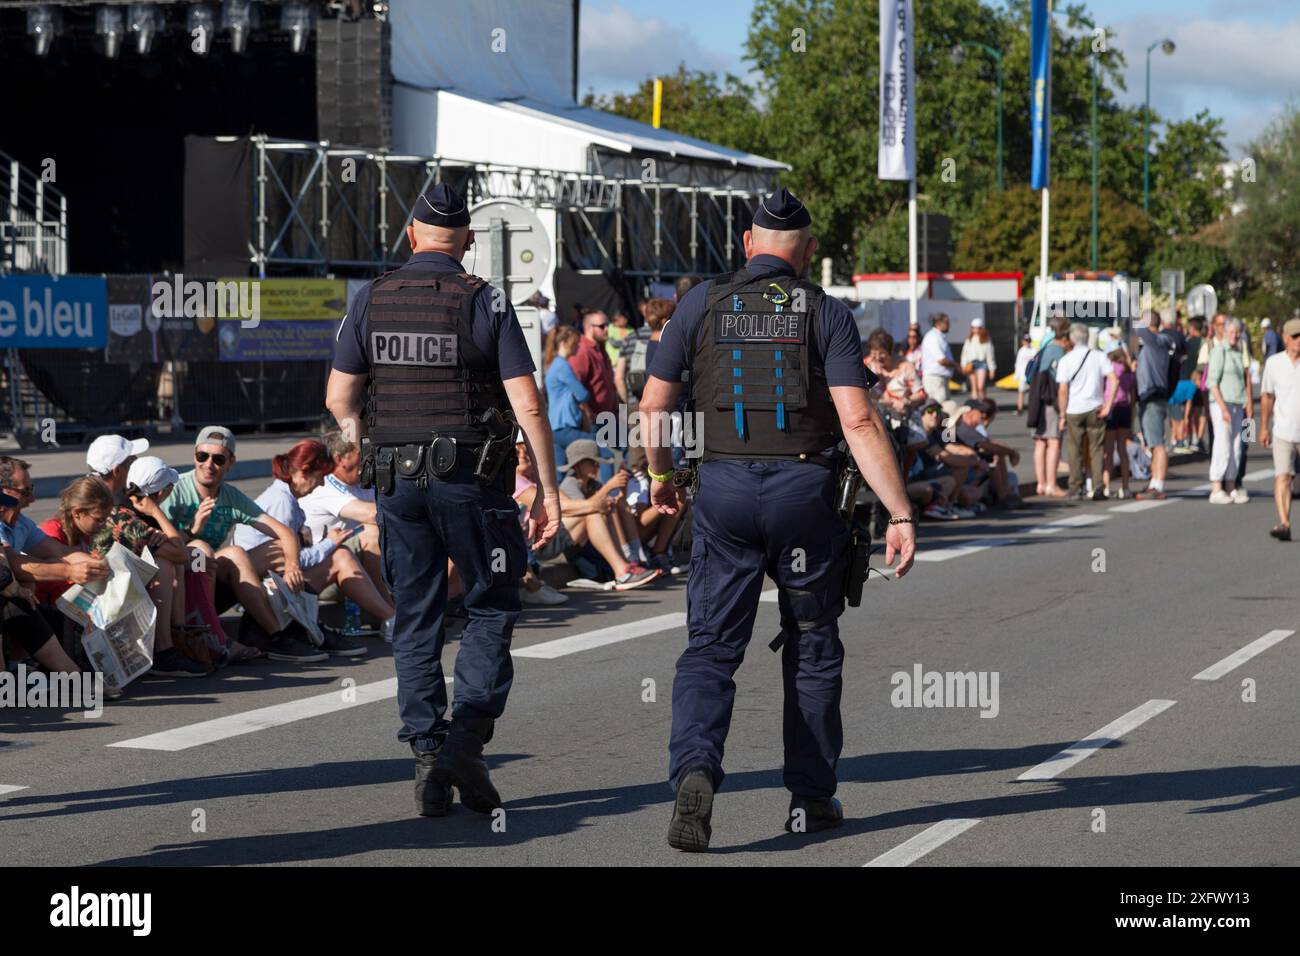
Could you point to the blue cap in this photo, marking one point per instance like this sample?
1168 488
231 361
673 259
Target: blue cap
782 211
442 206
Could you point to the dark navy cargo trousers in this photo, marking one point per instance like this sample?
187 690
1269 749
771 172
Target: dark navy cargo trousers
751 519
478 528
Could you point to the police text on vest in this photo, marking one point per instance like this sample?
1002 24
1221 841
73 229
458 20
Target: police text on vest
413 348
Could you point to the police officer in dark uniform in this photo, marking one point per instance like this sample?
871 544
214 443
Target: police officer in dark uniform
775 369
430 365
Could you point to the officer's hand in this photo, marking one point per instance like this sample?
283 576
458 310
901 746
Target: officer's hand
664 497
543 519
900 542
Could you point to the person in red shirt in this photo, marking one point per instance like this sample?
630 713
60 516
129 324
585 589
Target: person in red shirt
591 364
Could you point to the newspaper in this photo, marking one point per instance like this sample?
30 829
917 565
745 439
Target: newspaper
119 616
301 607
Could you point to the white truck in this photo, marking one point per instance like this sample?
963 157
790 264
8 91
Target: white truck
1100 300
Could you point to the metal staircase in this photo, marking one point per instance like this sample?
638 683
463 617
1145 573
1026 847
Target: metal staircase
33 221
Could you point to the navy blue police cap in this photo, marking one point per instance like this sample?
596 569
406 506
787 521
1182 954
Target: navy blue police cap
442 206
782 211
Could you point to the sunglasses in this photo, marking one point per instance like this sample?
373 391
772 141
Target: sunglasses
217 459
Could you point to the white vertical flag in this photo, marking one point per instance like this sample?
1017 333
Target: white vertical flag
897 158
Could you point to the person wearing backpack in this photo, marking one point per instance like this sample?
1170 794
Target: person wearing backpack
1159 362
1042 415
637 349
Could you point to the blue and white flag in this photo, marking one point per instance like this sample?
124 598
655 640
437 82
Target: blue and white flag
897 157
1040 91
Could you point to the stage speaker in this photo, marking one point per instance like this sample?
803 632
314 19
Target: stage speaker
934 242
354 94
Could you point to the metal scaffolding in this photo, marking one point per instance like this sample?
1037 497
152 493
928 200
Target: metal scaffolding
344 210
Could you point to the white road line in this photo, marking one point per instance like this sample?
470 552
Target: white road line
1133 506
549 650
1237 658
1258 475
928 839
1116 729
9 788
233 725
961 550
1074 521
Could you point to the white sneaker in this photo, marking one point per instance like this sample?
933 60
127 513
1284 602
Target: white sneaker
1240 496
386 630
1220 498
544 596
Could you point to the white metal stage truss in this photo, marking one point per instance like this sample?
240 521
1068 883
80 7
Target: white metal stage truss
344 210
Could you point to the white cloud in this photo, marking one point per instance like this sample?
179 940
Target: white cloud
618 50
1242 71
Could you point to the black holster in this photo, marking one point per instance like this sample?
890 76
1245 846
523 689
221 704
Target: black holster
855 574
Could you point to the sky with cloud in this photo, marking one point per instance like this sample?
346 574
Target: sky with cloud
1240 59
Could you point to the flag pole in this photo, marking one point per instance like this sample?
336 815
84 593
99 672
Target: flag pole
911 249
1042 250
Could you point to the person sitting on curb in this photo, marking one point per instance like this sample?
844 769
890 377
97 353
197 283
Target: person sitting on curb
586 509
297 473
205 509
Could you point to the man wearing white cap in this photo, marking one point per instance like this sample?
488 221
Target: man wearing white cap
1272 341
977 361
110 457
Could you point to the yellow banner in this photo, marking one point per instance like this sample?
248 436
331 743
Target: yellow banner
296 299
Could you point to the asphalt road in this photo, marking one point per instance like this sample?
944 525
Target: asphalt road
1183 772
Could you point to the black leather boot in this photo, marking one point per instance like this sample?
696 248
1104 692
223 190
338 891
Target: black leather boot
460 762
432 797
819 813
690 828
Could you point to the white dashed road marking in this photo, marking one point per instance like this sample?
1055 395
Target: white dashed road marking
1113 731
928 839
9 788
549 650
1237 658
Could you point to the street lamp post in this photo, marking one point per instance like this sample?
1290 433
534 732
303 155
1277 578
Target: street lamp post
1167 46
959 54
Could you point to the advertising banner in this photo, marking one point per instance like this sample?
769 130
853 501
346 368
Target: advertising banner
289 320
45 312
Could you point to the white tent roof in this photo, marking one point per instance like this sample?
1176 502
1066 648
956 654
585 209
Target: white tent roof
526 132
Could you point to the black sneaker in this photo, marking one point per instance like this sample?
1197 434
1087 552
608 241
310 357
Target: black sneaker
252 634
690 829
172 663
819 813
286 648
339 644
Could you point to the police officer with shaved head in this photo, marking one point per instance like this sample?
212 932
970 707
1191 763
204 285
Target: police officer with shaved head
432 370
775 368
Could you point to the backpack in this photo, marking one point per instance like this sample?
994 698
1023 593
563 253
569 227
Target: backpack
635 376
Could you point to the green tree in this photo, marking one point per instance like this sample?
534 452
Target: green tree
1200 262
1004 234
697 104
1187 188
1266 238
814 105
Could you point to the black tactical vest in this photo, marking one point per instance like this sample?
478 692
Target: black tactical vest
757 375
427 377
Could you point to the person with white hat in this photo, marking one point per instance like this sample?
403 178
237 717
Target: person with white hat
110 457
978 363
1272 341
